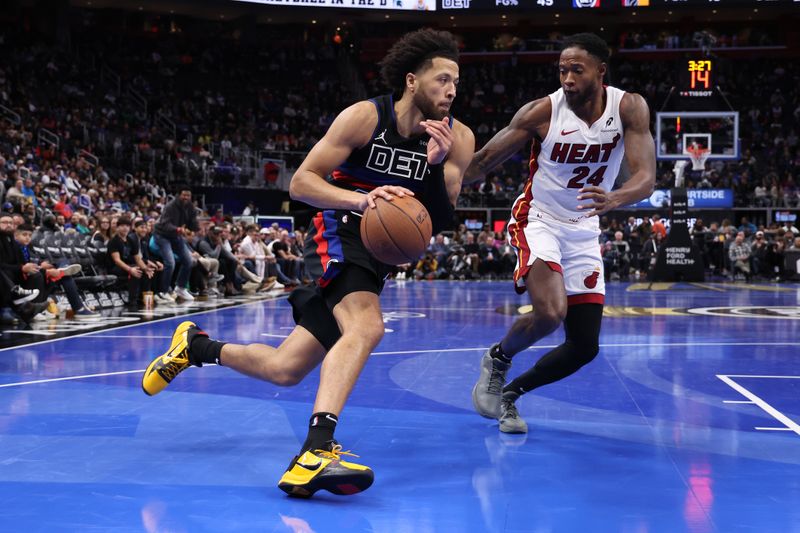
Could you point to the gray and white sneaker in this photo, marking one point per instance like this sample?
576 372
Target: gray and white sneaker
20 295
510 421
486 392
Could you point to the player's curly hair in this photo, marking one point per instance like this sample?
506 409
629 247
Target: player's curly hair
590 42
414 51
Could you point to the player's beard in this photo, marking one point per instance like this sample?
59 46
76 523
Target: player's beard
578 100
429 109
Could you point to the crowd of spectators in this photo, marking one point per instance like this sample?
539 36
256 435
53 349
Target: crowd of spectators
629 248
129 114
213 113
114 258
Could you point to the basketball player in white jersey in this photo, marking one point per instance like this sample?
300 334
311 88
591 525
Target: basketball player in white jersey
580 135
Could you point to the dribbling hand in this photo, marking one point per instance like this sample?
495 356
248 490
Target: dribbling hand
441 139
387 192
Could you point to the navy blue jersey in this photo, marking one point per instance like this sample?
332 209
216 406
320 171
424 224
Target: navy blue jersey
334 236
388 158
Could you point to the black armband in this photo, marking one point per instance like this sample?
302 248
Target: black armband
436 199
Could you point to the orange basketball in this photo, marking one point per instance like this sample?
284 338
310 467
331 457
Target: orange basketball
396 231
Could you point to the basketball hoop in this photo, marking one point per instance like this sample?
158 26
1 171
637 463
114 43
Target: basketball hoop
698 156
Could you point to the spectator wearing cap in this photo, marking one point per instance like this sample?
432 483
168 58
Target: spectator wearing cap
154 267
48 276
63 207
758 255
126 261
739 254
177 216
12 274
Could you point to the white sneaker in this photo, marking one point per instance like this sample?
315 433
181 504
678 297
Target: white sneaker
45 315
249 287
164 298
278 285
183 294
71 270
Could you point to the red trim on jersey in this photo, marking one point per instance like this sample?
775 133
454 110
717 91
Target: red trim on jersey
322 242
586 298
519 212
533 162
341 177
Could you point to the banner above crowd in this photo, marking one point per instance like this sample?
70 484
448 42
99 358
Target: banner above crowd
395 5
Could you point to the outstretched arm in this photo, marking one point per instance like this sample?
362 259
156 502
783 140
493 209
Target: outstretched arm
531 120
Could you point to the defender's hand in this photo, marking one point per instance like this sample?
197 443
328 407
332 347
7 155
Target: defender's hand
602 201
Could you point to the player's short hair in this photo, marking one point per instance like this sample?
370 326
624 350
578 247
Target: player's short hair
415 51
590 42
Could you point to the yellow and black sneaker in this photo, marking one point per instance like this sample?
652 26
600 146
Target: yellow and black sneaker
163 369
322 469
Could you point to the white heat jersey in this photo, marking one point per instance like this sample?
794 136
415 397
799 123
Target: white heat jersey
574 155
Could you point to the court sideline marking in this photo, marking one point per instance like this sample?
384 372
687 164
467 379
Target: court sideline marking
154 321
790 425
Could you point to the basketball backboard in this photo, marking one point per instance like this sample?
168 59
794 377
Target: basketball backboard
717 131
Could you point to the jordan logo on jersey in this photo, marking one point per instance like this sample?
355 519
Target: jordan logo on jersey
381 137
579 153
397 162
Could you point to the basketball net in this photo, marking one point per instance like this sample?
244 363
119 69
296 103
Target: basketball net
698 155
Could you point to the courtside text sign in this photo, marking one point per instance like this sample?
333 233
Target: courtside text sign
397 5
698 199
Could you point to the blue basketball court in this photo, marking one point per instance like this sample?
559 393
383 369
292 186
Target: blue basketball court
688 420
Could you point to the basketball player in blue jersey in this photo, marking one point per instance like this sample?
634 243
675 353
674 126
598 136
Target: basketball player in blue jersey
400 144
580 134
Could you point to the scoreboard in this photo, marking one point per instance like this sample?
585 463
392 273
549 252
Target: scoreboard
696 77
565 5
518 5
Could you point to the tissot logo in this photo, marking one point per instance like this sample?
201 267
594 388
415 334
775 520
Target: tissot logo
455 4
